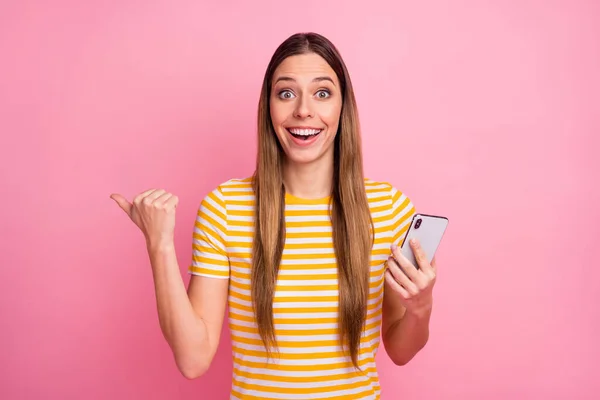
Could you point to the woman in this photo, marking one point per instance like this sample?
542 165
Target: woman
303 252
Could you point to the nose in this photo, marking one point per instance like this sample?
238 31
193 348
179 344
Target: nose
303 108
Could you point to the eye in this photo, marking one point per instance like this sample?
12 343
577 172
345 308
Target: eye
323 94
286 94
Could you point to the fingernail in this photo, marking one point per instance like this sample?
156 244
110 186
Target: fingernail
413 242
394 247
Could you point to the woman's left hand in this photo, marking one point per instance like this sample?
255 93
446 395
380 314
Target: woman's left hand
413 285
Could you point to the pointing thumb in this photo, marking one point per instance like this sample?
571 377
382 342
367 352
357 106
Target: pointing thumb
122 202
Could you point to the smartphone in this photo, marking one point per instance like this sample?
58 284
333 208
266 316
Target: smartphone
428 230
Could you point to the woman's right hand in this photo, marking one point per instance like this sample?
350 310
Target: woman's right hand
153 211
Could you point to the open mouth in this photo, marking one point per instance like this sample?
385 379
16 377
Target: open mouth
304 134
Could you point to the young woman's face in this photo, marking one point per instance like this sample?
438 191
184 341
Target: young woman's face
306 102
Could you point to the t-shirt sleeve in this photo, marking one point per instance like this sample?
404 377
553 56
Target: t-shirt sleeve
209 244
401 215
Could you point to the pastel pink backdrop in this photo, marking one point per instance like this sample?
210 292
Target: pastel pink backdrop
487 112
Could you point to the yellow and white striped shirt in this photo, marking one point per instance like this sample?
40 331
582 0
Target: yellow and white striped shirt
310 362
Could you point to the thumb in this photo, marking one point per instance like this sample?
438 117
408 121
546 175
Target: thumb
122 202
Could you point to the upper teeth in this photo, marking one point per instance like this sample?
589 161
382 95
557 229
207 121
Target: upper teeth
305 132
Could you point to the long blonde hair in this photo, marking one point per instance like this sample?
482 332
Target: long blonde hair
350 216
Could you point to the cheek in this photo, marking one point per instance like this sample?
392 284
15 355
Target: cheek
274 114
279 114
331 116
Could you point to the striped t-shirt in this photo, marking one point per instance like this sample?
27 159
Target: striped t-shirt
309 362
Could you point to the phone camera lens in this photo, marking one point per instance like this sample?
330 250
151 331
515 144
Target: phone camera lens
418 224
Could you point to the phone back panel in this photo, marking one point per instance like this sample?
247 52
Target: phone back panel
428 232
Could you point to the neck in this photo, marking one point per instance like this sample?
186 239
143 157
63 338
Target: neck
309 181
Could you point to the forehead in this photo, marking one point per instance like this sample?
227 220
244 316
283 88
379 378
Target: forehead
304 67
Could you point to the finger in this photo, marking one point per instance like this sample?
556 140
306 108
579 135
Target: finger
162 199
407 267
172 202
401 278
395 285
420 256
122 202
138 199
151 198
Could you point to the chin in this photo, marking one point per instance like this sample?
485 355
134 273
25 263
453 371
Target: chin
303 159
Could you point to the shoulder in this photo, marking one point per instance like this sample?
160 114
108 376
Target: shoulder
381 189
232 188
215 203
233 191
236 186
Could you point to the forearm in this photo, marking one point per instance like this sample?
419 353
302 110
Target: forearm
184 330
407 336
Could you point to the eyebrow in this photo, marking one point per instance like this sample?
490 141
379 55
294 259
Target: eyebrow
317 79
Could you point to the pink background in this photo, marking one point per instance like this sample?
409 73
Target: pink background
487 112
